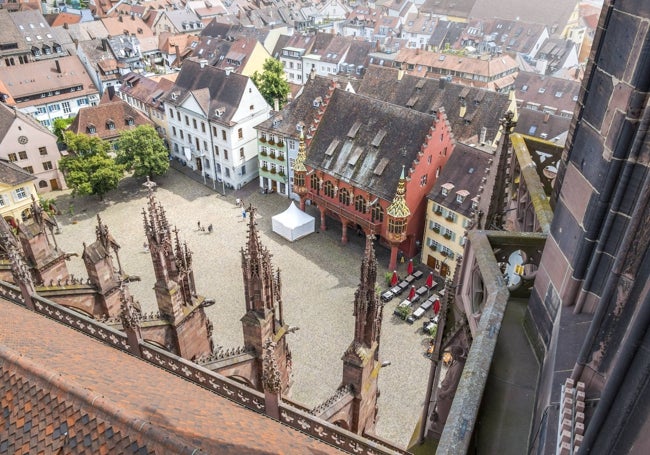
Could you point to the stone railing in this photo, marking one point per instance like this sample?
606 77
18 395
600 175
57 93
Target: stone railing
341 393
338 437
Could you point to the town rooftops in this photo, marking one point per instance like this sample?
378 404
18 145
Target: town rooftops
107 120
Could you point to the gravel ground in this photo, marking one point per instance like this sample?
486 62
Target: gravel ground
319 277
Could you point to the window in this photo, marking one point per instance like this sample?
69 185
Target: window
82 102
42 110
240 133
110 125
225 155
328 189
47 165
227 171
194 123
66 107
130 121
54 107
360 204
205 145
42 150
22 155
223 134
214 130
174 131
187 120
252 107
178 116
243 170
91 129
377 214
171 112
20 193
202 127
29 169
241 153
13 157
2 201
181 133
460 198
313 182
423 180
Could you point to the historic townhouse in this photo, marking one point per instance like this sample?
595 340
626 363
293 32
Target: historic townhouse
16 187
30 146
211 114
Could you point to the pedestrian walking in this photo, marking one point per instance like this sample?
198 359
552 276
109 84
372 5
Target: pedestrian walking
238 202
243 214
210 228
198 223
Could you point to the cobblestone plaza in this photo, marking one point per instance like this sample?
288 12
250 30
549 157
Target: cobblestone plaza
319 278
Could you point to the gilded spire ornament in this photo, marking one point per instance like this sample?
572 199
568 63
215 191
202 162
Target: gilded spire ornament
299 163
398 208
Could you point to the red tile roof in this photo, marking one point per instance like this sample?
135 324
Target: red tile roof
55 380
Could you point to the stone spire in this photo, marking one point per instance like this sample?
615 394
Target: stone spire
367 307
263 321
130 316
259 282
494 215
166 261
270 374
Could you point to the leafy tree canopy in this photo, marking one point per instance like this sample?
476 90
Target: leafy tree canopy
89 169
272 82
143 151
60 125
84 145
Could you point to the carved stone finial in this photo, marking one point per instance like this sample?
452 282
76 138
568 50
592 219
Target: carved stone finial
270 374
128 313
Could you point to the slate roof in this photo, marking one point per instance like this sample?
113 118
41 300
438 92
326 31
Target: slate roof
225 91
55 396
11 34
556 92
13 175
344 145
300 109
541 124
483 108
465 170
98 116
455 8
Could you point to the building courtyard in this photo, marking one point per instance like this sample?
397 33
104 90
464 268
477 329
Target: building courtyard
319 278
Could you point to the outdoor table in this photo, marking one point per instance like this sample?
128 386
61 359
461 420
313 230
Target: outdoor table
422 290
387 296
410 278
417 274
404 284
397 290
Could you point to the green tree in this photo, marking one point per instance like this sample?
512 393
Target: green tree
89 169
272 82
143 151
60 125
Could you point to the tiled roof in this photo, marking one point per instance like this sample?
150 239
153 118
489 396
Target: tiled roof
99 116
555 92
126 25
43 77
9 115
13 175
65 18
483 108
357 132
55 380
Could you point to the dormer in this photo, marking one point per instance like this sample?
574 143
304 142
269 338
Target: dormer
110 124
129 121
318 101
90 129
218 112
461 195
446 189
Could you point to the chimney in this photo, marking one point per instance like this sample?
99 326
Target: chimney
119 18
400 74
58 66
65 25
483 135
104 44
228 70
203 62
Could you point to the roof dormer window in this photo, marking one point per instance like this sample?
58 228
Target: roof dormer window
110 125
446 188
461 195
129 121
91 129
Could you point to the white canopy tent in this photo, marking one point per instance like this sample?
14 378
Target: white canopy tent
293 223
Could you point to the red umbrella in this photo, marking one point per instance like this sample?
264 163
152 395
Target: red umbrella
430 280
412 293
394 278
409 269
436 306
